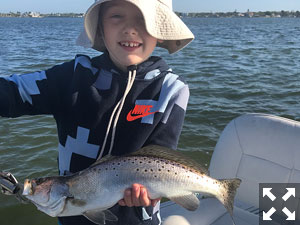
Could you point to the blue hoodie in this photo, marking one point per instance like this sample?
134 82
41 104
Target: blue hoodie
81 95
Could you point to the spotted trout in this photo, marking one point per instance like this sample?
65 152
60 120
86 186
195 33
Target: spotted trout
91 192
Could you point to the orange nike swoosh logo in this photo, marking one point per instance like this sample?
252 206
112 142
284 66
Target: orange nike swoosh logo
132 118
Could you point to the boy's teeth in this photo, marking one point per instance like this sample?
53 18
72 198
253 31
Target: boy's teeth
127 44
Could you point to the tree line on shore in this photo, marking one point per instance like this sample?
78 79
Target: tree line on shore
282 13
37 14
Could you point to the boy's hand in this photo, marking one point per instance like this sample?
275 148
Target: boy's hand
137 196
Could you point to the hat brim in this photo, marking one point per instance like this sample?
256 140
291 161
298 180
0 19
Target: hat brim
160 22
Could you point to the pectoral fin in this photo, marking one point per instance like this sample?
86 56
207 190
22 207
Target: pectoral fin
189 202
99 216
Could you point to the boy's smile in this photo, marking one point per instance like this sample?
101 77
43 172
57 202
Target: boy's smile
130 45
124 34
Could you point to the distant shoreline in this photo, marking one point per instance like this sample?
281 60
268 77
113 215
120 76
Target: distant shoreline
40 15
248 14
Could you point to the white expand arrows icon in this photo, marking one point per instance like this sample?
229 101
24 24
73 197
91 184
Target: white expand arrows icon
290 192
267 192
291 216
267 215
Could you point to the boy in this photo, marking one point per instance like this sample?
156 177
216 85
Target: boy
115 103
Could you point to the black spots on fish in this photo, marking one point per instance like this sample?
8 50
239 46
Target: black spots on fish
144 170
117 175
159 170
96 169
176 173
158 161
119 164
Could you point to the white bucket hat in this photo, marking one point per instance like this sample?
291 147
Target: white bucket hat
160 22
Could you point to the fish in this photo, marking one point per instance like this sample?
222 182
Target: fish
93 191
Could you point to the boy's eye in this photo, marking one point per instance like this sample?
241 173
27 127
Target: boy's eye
116 16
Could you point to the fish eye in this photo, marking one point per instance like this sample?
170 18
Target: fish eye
40 180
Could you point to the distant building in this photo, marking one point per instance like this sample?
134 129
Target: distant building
34 14
249 14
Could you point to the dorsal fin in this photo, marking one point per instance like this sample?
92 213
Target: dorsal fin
158 151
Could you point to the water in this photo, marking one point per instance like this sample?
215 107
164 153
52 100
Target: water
235 66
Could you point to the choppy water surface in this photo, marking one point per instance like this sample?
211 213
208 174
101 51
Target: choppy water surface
234 66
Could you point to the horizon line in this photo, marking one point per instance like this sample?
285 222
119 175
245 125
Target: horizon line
174 11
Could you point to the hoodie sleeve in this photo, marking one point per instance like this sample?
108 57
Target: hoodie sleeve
168 130
34 93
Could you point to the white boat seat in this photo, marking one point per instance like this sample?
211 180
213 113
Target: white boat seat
257 148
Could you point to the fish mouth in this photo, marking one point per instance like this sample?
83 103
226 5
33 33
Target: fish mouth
28 188
31 185
42 199
37 191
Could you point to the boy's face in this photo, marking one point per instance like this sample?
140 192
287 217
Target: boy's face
125 36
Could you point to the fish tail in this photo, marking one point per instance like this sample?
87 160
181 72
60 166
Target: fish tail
228 192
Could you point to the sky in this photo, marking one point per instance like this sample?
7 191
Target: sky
80 6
